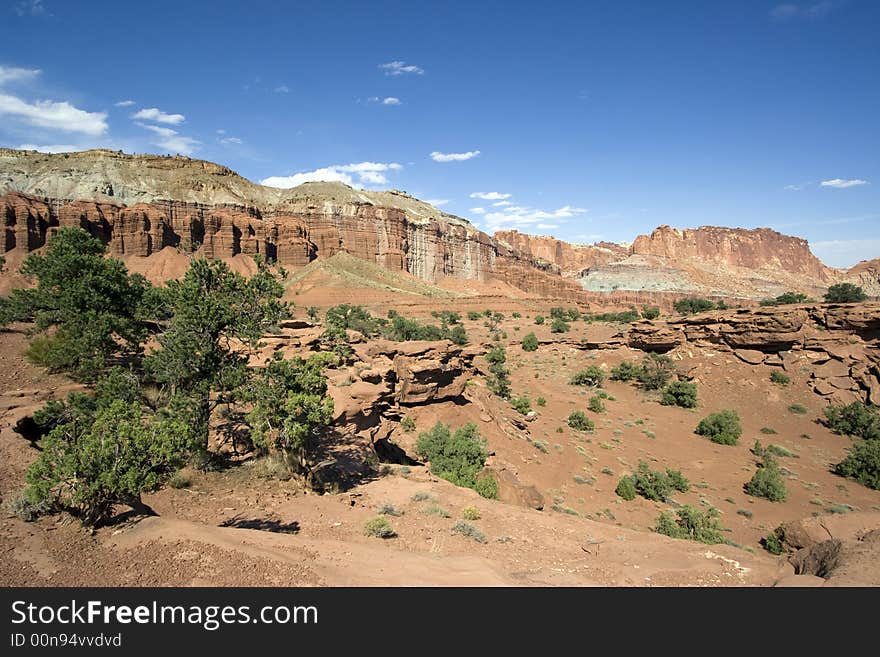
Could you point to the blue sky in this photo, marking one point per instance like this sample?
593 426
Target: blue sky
585 120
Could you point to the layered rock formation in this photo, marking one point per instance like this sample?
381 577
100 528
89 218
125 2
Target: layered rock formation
569 259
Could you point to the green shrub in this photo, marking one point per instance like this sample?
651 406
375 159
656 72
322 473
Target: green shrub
530 342
579 421
655 370
521 404
626 371
772 544
379 527
592 376
626 488
408 424
539 319
798 409
768 431
778 377
457 457
654 485
466 529
856 419
180 480
650 312
693 305
625 317
473 315
862 464
678 480
389 510
540 401
436 510
845 293
722 427
487 487
680 393
25 509
767 482
516 315
499 384
785 299
692 524
595 404
470 513
559 326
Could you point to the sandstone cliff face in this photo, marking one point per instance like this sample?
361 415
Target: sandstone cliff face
866 274
758 249
569 259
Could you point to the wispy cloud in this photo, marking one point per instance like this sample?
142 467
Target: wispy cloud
491 196
155 114
519 217
546 226
53 115
437 156
478 210
231 140
31 8
12 74
501 204
124 103
282 89
171 140
437 202
798 187
366 173
840 183
390 100
401 68
53 148
792 10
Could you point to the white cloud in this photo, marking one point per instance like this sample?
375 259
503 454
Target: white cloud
797 188
171 140
840 183
31 8
54 115
437 202
845 253
391 100
367 173
491 196
155 114
282 89
12 74
501 204
518 217
231 140
159 130
547 226
400 68
478 210
437 156
221 131
791 10
124 103
53 148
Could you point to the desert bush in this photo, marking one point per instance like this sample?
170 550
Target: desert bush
693 305
862 464
539 319
592 376
540 401
650 312
767 482
595 404
772 544
25 509
654 485
436 510
521 404
379 527
722 427
487 486
678 480
468 530
785 299
473 315
626 371
389 510
624 317
655 370
579 421
516 315
408 424
559 326
680 393
845 293
457 457
470 513
798 409
778 377
692 524
499 384
626 488
180 480
855 419
530 342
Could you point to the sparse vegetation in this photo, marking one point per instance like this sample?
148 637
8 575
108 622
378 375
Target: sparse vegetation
798 409
772 544
767 482
692 305
723 427
521 404
855 419
626 371
779 378
457 457
692 524
651 484
470 513
436 510
559 326
592 376
785 299
862 464
500 381
468 530
579 421
530 342
650 312
539 319
680 393
408 424
655 370
845 293
595 404
379 527
540 401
